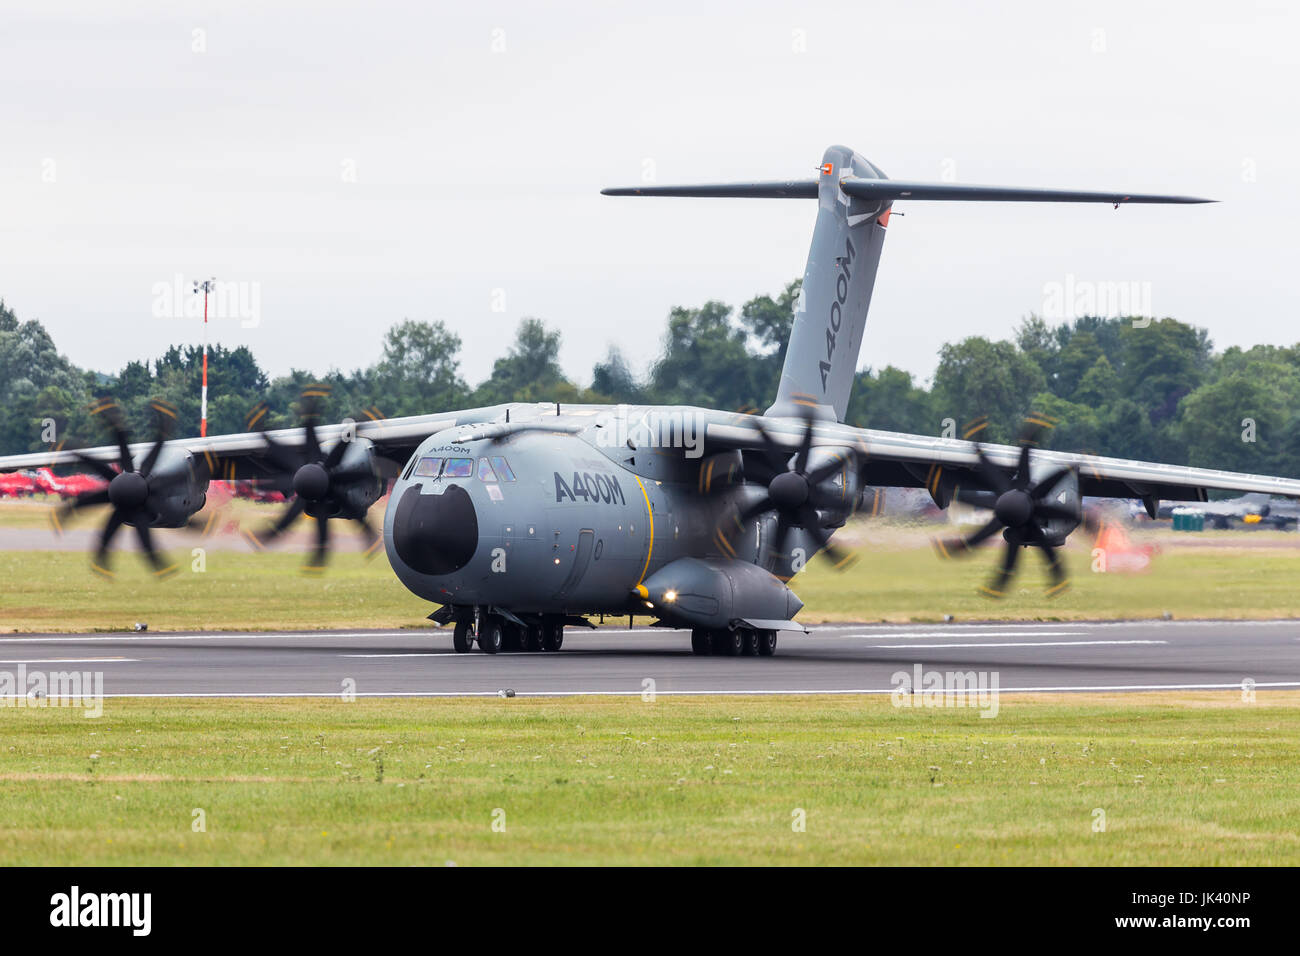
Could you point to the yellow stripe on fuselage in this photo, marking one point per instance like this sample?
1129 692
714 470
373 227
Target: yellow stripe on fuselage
650 516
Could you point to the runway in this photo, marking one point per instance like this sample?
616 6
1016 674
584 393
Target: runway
839 659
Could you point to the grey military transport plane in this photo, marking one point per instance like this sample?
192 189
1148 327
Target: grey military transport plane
520 519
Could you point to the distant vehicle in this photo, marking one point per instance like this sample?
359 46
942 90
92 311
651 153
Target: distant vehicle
1249 509
17 485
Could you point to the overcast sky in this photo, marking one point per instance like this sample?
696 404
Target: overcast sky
354 165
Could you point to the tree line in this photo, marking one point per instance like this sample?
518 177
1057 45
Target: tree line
1132 387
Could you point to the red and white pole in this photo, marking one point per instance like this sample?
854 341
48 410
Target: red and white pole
206 285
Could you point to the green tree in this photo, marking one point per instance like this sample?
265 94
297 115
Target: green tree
417 374
891 401
529 372
706 362
977 377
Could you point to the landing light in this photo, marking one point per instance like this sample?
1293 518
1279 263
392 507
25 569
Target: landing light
670 597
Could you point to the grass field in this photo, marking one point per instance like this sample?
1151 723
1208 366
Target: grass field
1187 779
899 578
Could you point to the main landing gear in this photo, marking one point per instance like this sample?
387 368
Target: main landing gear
734 643
496 634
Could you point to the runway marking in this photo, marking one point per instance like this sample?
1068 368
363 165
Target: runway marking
906 647
938 634
812 691
75 660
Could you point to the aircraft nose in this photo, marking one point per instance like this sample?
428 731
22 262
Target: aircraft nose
435 534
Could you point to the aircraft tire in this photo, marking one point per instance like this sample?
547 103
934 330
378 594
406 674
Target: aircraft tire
552 636
462 638
766 643
748 641
492 636
728 643
532 638
701 642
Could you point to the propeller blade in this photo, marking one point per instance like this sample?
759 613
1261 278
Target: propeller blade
805 446
151 459
1021 479
977 499
160 568
1048 484
990 473
372 538
87 499
1059 580
777 458
312 446
951 547
111 527
290 515
761 506
123 451
98 467
335 455
321 555
998 587
841 558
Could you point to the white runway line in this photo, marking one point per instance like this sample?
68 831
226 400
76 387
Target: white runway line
912 647
75 660
812 691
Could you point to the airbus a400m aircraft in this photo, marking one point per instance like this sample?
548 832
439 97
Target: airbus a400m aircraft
517 520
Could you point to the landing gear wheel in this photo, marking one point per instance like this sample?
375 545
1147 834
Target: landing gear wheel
462 638
701 642
748 642
552 636
730 643
533 637
513 637
492 636
766 643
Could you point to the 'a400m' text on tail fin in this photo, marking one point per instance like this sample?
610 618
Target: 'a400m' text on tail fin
831 314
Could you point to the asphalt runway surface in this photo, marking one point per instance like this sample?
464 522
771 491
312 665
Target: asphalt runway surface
842 659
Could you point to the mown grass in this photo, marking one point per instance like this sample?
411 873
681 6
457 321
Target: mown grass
898 578
1187 779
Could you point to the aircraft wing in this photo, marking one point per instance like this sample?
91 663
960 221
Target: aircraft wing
238 456
892 459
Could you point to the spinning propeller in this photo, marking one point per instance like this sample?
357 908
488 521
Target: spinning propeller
128 489
1020 509
793 493
317 480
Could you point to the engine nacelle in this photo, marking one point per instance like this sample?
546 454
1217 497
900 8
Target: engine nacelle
715 593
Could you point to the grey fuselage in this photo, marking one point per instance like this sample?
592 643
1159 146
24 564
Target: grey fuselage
596 501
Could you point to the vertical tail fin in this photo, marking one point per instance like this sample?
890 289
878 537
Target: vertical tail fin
831 315
854 199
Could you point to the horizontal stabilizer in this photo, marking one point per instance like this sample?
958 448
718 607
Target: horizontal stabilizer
790 189
890 189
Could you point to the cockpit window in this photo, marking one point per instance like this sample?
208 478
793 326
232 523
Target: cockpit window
485 472
503 469
428 468
459 468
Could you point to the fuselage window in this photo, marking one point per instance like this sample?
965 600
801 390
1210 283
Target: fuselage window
428 468
485 472
503 469
459 468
